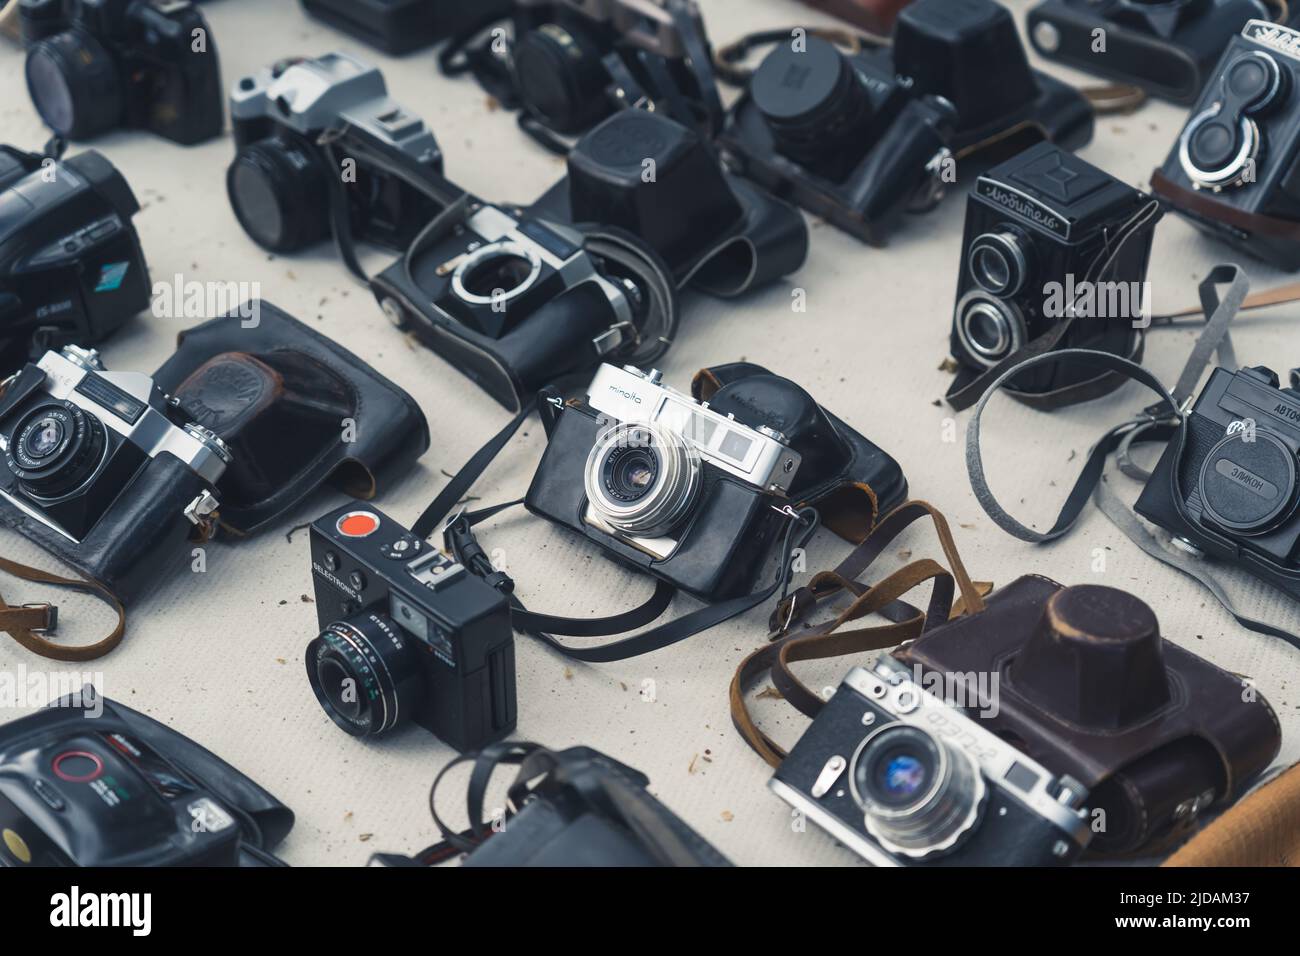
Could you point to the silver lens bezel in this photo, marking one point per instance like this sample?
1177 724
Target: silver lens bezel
1007 316
502 249
669 499
1007 245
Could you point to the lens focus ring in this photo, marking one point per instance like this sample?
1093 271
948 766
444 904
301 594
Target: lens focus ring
642 479
365 674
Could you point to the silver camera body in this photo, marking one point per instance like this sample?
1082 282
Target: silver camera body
333 91
678 437
904 778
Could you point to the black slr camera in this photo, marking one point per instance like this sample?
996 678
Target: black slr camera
100 468
904 779
1166 47
71 266
858 139
685 490
1050 238
406 634
1232 171
1229 489
401 26
376 179
97 65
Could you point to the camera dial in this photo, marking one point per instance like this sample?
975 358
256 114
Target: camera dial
365 674
55 448
642 479
1248 482
918 795
990 329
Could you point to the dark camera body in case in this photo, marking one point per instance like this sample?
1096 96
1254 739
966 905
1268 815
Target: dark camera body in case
1230 490
1233 171
402 26
176 803
1167 49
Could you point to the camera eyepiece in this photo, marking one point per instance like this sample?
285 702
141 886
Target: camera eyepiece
365 675
642 480
918 795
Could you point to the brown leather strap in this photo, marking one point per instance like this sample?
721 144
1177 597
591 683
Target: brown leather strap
1208 208
1262 829
825 640
1278 295
28 623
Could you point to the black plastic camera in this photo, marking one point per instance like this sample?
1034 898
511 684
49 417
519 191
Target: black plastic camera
1231 488
516 301
1232 172
858 139
570 63
407 634
401 26
88 782
1166 47
904 779
98 65
1050 239
100 469
71 266
374 181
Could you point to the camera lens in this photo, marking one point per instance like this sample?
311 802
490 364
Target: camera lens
280 193
495 273
560 78
918 796
641 479
998 263
74 85
811 99
365 674
989 329
1248 482
55 448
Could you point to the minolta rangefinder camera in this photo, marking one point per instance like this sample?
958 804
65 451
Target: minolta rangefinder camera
1230 490
87 782
666 484
407 634
1230 173
1048 235
401 26
101 468
71 266
98 65
904 779
1167 47
284 185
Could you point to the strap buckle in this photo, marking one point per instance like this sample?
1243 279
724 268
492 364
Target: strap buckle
51 617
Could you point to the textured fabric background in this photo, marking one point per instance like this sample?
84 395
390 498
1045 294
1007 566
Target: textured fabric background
219 655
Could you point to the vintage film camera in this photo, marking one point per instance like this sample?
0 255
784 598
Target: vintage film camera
516 302
1232 172
1047 236
286 188
666 484
401 26
860 138
98 65
1167 48
904 779
71 266
1230 489
99 469
88 782
407 634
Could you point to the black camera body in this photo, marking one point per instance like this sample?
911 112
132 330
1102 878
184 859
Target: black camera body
98 65
71 266
402 26
860 138
664 484
283 185
1167 48
903 778
88 782
1231 489
1041 241
406 634
100 470
1233 171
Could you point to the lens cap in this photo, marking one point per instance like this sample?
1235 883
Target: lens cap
1248 482
795 87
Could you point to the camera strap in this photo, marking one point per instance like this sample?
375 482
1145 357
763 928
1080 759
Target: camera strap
29 623
826 640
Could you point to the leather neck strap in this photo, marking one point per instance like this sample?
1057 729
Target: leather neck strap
29 623
826 640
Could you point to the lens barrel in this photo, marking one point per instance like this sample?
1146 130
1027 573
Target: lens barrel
74 85
55 448
279 190
365 674
642 479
